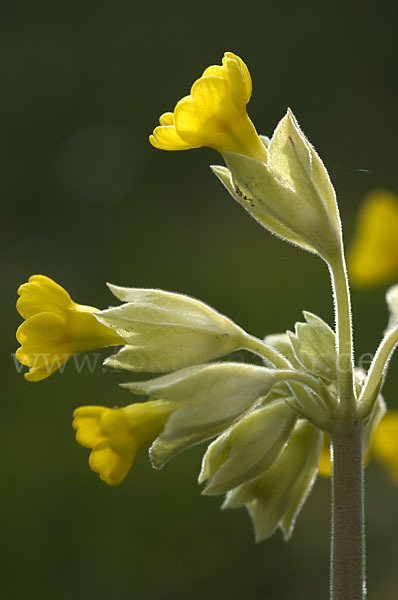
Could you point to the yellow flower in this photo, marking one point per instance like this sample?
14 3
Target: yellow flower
383 446
55 328
117 434
373 258
385 443
214 114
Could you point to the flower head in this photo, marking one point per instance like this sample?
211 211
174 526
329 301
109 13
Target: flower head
373 258
214 114
117 435
55 327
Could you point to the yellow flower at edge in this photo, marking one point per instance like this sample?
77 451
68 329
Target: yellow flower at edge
214 114
373 257
384 444
383 447
55 328
116 435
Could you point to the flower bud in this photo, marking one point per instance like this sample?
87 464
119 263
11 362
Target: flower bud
314 345
276 497
247 448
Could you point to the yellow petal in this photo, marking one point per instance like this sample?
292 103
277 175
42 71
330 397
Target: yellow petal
41 294
373 258
237 83
215 71
385 443
42 372
245 73
111 467
42 328
166 119
87 424
203 118
165 137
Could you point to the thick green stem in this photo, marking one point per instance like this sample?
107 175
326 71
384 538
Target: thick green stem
348 538
345 353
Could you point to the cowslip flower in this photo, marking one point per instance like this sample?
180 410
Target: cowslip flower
281 182
55 328
214 114
373 257
383 447
186 407
116 435
164 331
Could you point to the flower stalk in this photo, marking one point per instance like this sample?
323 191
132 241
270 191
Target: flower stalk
347 570
345 351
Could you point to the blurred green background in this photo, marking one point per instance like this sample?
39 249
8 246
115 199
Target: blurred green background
85 200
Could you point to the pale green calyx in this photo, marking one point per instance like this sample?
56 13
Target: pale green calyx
165 331
212 395
276 497
314 346
245 450
291 194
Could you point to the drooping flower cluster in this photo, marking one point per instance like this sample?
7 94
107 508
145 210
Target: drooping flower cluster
265 454
268 421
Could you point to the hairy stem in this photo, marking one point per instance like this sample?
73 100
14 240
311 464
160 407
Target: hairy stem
345 352
265 351
348 537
